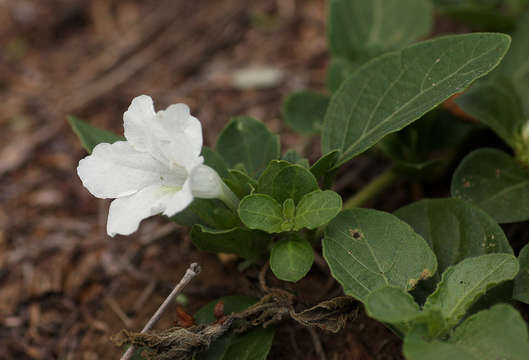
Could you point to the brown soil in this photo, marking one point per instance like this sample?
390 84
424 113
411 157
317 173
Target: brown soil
65 287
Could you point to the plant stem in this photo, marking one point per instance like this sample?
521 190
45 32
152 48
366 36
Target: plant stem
380 183
191 272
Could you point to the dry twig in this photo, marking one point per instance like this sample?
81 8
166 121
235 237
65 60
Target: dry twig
191 272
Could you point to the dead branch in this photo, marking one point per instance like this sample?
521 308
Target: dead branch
191 272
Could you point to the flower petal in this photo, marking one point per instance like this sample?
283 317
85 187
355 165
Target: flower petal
115 170
206 183
177 136
126 213
137 120
179 200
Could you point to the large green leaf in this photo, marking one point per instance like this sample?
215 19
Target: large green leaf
495 103
324 164
304 111
395 89
521 282
516 63
392 305
248 142
291 258
262 212
366 28
368 249
215 161
252 345
462 284
495 182
243 242
497 333
316 209
90 135
339 69
455 230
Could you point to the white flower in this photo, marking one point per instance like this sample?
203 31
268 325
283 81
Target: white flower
157 170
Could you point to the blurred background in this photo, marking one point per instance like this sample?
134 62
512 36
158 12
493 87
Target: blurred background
65 287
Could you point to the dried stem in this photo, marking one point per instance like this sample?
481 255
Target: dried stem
191 272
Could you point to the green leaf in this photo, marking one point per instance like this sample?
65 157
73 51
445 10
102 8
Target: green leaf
521 282
284 181
232 304
325 164
495 182
90 135
392 305
251 345
462 284
395 89
497 333
455 230
368 249
291 258
304 111
293 157
316 209
339 69
248 142
426 147
209 212
496 104
215 161
480 14
243 242
366 28
262 212
515 66
240 183
265 183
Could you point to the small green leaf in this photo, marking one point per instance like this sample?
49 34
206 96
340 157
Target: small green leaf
289 209
363 29
497 333
521 282
243 242
265 183
495 182
462 284
368 249
240 183
215 161
262 212
392 305
316 209
304 111
251 345
339 69
455 230
325 164
248 142
395 89
292 182
90 135
495 103
291 258
293 157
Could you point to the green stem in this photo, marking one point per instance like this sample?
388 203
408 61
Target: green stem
229 198
380 183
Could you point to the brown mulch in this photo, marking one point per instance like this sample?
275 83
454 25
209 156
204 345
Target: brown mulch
65 287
